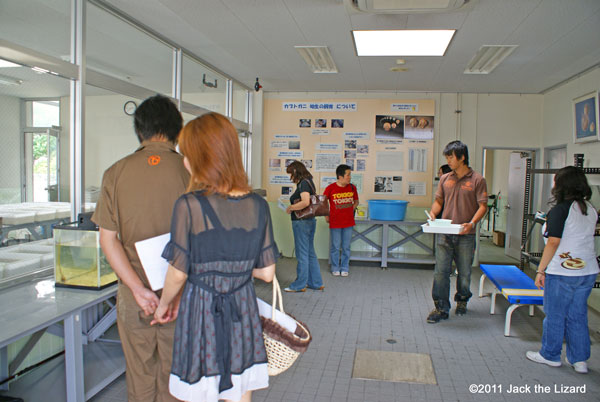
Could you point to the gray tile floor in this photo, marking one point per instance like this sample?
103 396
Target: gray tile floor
385 310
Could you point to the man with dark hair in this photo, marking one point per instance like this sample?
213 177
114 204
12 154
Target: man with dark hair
343 200
136 203
463 195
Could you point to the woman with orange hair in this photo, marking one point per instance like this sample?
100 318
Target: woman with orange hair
221 237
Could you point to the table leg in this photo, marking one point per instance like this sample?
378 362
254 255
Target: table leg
74 358
384 245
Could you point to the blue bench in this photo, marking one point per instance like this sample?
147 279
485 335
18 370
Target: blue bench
515 285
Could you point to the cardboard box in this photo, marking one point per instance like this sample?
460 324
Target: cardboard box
498 238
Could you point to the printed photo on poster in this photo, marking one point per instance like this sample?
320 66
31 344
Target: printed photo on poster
274 164
337 123
350 144
585 118
288 162
327 162
361 165
418 127
321 123
388 184
279 144
417 188
417 160
294 145
307 163
389 127
349 153
350 162
286 191
362 149
304 123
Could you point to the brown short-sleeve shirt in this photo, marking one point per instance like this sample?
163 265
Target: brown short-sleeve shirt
461 197
138 194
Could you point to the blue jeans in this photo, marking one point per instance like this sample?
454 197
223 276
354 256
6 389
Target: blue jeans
565 305
461 249
340 239
308 271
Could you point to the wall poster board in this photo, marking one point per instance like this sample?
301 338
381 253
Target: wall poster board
387 142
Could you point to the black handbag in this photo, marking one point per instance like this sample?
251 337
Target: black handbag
319 206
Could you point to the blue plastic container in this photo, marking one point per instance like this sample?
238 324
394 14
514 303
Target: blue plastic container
387 210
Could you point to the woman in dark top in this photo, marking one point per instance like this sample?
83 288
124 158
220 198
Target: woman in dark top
308 271
221 237
567 272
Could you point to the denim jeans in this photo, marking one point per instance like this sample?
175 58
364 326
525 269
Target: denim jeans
340 239
565 305
461 250
308 271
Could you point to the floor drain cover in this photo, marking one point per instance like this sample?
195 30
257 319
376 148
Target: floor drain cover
393 366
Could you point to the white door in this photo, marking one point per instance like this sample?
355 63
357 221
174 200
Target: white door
515 198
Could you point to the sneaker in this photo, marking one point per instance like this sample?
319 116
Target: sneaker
335 273
294 290
344 273
579 367
461 308
538 358
436 315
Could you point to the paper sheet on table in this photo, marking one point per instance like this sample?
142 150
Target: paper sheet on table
154 265
265 310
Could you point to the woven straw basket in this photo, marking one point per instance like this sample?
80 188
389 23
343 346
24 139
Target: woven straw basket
283 347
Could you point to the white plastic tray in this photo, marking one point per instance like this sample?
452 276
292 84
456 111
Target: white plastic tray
451 229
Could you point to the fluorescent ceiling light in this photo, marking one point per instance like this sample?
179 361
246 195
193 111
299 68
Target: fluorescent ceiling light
318 58
4 63
403 42
488 58
405 6
6 80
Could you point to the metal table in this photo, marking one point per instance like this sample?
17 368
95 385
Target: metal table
385 251
34 306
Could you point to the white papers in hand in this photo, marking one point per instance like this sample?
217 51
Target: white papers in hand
281 204
265 310
154 265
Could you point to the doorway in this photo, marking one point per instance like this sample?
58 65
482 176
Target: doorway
504 170
42 170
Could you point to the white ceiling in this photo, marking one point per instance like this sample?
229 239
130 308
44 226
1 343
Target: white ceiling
557 40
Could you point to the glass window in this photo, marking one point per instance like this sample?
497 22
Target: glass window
203 87
109 135
42 25
119 50
34 169
240 103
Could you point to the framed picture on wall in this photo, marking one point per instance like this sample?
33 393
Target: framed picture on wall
585 118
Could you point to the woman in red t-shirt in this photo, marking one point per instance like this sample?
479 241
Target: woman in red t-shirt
343 200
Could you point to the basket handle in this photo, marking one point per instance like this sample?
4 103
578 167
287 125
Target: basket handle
276 295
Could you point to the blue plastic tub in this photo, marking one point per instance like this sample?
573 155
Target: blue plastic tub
387 210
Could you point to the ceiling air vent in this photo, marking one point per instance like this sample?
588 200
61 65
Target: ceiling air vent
318 58
406 6
488 58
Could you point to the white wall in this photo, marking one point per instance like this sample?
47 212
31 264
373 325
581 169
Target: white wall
10 150
109 135
557 120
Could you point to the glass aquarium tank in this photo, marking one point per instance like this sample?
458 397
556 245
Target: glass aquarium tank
78 259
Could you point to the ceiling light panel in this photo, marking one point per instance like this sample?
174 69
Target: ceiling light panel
318 58
488 58
403 42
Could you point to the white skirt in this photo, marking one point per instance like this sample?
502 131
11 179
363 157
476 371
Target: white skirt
207 389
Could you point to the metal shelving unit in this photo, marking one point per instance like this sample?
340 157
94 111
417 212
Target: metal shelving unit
530 219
